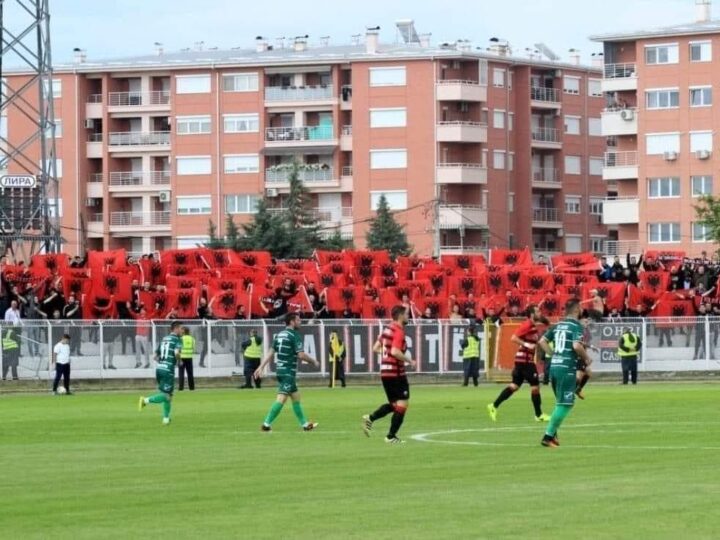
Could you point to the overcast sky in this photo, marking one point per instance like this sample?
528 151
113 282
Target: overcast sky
108 28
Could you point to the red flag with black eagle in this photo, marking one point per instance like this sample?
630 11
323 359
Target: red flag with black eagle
185 301
575 262
112 283
511 257
54 263
115 258
612 293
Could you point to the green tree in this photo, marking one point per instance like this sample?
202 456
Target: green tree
335 242
214 242
386 233
266 231
300 219
707 211
232 234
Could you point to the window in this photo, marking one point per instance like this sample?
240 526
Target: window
192 84
662 54
597 244
701 96
660 233
381 118
388 159
573 243
58 167
241 123
56 88
596 207
237 164
53 210
594 127
596 166
572 204
193 165
663 188
3 127
240 82
58 129
498 159
659 143
198 204
572 125
192 125
700 51
701 233
241 204
701 185
498 77
572 165
190 242
499 119
397 200
701 140
666 98
594 88
511 121
387 76
571 85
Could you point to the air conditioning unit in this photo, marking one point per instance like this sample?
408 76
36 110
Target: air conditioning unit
90 123
627 115
271 192
670 156
702 154
92 202
463 106
164 196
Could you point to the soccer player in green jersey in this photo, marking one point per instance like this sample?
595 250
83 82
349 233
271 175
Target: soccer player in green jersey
167 356
287 349
568 350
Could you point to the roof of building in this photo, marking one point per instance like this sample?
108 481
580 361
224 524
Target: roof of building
688 29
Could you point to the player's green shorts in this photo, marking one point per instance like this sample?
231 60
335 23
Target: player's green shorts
563 384
165 380
286 384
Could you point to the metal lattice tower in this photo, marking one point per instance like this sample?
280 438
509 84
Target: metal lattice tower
28 216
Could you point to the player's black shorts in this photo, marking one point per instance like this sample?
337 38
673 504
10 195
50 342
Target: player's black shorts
581 366
525 372
396 389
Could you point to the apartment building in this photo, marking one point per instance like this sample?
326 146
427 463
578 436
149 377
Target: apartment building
661 123
473 148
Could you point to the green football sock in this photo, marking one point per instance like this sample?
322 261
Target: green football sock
273 413
157 398
299 413
167 404
558 415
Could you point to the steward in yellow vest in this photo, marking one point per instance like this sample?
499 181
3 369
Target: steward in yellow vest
629 346
470 347
337 360
10 354
186 360
252 355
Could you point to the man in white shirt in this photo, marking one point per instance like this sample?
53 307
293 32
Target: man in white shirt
12 314
61 359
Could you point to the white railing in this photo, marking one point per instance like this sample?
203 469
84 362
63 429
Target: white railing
549 135
94 98
139 219
96 217
460 166
95 178
323 215
139 138
540 93
462 123
305 175
545 174
621 159
546 215
346 130
466 249
620 71
146 178
95 137
300 93
298 133
347 170
458 82
138 99
622 247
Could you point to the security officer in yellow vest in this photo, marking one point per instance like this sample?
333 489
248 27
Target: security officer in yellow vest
337 360
470 347
186 360
10 354
252 355
629 346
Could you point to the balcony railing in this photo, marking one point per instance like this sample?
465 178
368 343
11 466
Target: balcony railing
621 159
147 178
622 247
139 219
324 215
462 123
138 99
94 98
139 138
95 178
549 95
461 165
96 217
300 93
545 174
347 171
305 175
458 81
300 133
346 130
95 137
546 215
548 135
620 71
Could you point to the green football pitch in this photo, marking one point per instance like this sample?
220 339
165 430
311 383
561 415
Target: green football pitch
634 463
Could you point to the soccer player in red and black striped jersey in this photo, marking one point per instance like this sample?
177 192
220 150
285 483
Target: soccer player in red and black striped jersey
526 337
393 347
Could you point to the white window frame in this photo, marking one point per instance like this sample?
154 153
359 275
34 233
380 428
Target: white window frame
705 181
672 58
53 211
187 159
575 238
195 76
701 140
576 122
56 87
666 147
58 167
672 227
199 211
571 89
595 166
657 94
595 206
499 77
499 118
251 120
375 199
250 87
499 160
375 153
572 169
705 93
193 125
378 121
244 170
573 204
597 242
701 44
250 201
58 128
656 185
401 81
706 236
190 242
595 88
595 127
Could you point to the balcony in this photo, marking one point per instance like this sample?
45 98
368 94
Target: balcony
346 172
546 178
462 131
621 211
621 166
94 147
322 180
141 181
314 137
463 216
457 90
619 122
346 140
93 106
133 101
545 98
461 173
305 175
346 97
95 186
95 225
326 217
138 141
300 95
619 77
546 218
464 250
548 138
622 247
132 222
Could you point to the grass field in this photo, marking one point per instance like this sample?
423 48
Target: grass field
634 463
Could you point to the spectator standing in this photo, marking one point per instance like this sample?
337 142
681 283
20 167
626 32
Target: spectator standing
470 347
203 313
11 354
14 318
186 360
629 346
252 355
61 360
338 353
142 335
72 311
37 334
701 324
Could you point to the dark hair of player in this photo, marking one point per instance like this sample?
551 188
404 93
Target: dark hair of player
175 325
572 305
290 317
396 312
530 310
